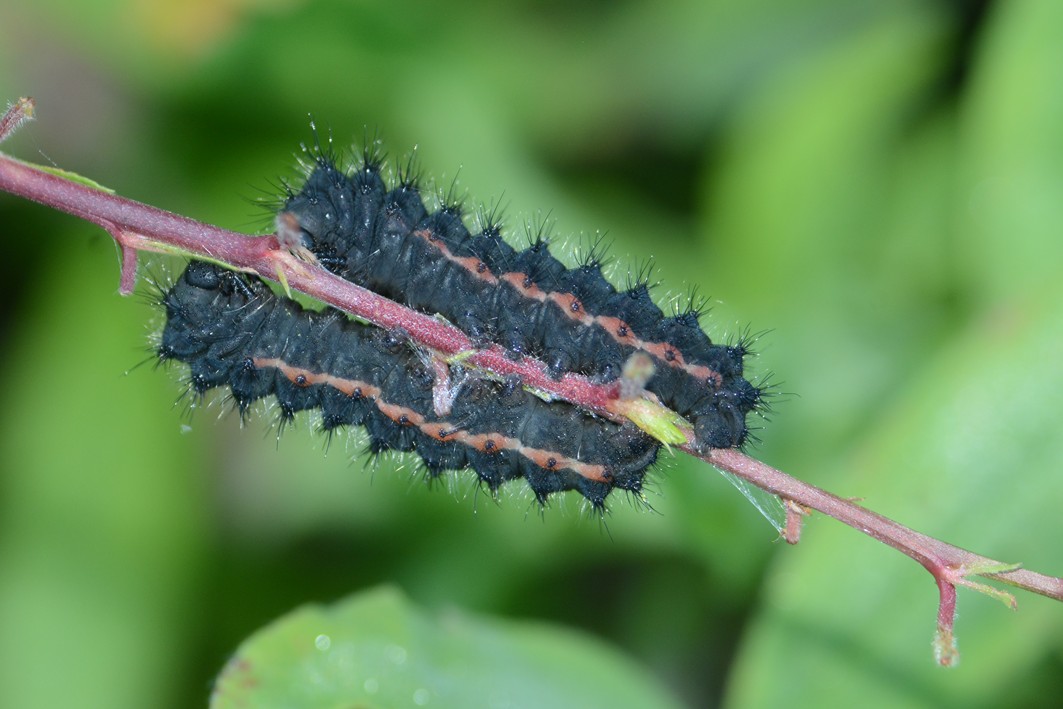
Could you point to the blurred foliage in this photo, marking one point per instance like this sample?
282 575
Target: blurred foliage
877 184
377 650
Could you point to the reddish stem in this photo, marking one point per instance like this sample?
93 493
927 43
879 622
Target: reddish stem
795 519
941 559
140 227
945 642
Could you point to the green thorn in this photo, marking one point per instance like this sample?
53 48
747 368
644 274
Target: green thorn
656 420
282 278
1002 596
460 356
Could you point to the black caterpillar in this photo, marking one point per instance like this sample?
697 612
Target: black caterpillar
527 301
234 332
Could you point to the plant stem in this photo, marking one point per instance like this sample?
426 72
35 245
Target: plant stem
140 227
941 559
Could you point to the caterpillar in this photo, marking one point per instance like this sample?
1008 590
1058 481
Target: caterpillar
234 332
529 302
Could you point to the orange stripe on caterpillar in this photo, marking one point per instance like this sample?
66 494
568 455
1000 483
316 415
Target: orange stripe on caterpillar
440 430
571 307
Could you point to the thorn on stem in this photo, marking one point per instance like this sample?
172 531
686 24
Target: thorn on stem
129 259
945 651
290 237
638 370
444 392
16 114
129 270
795 515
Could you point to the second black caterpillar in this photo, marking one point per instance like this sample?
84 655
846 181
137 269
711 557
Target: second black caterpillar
234 332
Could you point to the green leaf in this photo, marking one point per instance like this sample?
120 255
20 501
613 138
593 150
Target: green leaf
103 502
376 649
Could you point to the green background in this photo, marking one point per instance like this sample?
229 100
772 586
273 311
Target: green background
879 185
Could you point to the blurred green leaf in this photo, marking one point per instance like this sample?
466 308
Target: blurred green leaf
1013 151
377 650
101 533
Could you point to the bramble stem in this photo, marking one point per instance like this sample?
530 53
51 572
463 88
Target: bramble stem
933 554
140 227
